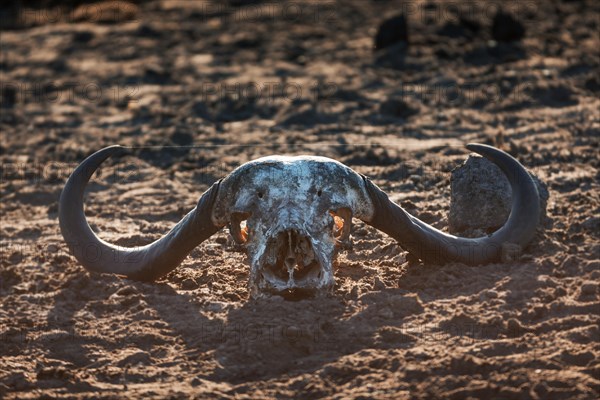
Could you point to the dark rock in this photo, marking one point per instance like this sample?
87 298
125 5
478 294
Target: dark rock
148 31
392 31
8 96
481 198
445 53
11 16
593 84
242 3
83 37
156 75
248 43
471 24
182 138
505 28
398 108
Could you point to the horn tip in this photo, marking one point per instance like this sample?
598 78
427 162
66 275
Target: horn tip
111 150
116 147
476 147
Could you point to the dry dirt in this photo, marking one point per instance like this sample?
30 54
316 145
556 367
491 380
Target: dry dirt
197 89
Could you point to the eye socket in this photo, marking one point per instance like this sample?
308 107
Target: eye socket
319 192
342 224
238 228
260 195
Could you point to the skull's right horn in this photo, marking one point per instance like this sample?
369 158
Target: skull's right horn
145 263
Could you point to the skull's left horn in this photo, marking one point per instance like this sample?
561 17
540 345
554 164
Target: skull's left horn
432 245
145 263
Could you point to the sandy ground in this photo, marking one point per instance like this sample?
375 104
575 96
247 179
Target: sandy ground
198 89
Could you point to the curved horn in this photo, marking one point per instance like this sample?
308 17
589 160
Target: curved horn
432 245
144 263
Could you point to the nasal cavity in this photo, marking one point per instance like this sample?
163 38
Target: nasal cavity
290 257
290 262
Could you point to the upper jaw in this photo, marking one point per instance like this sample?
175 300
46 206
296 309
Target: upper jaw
265 287
318 279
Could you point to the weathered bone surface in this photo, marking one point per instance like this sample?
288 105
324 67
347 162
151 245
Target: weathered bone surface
292 214
289 205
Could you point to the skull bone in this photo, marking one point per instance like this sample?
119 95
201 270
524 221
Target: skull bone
291 215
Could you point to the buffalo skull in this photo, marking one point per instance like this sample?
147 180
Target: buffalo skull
291 215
